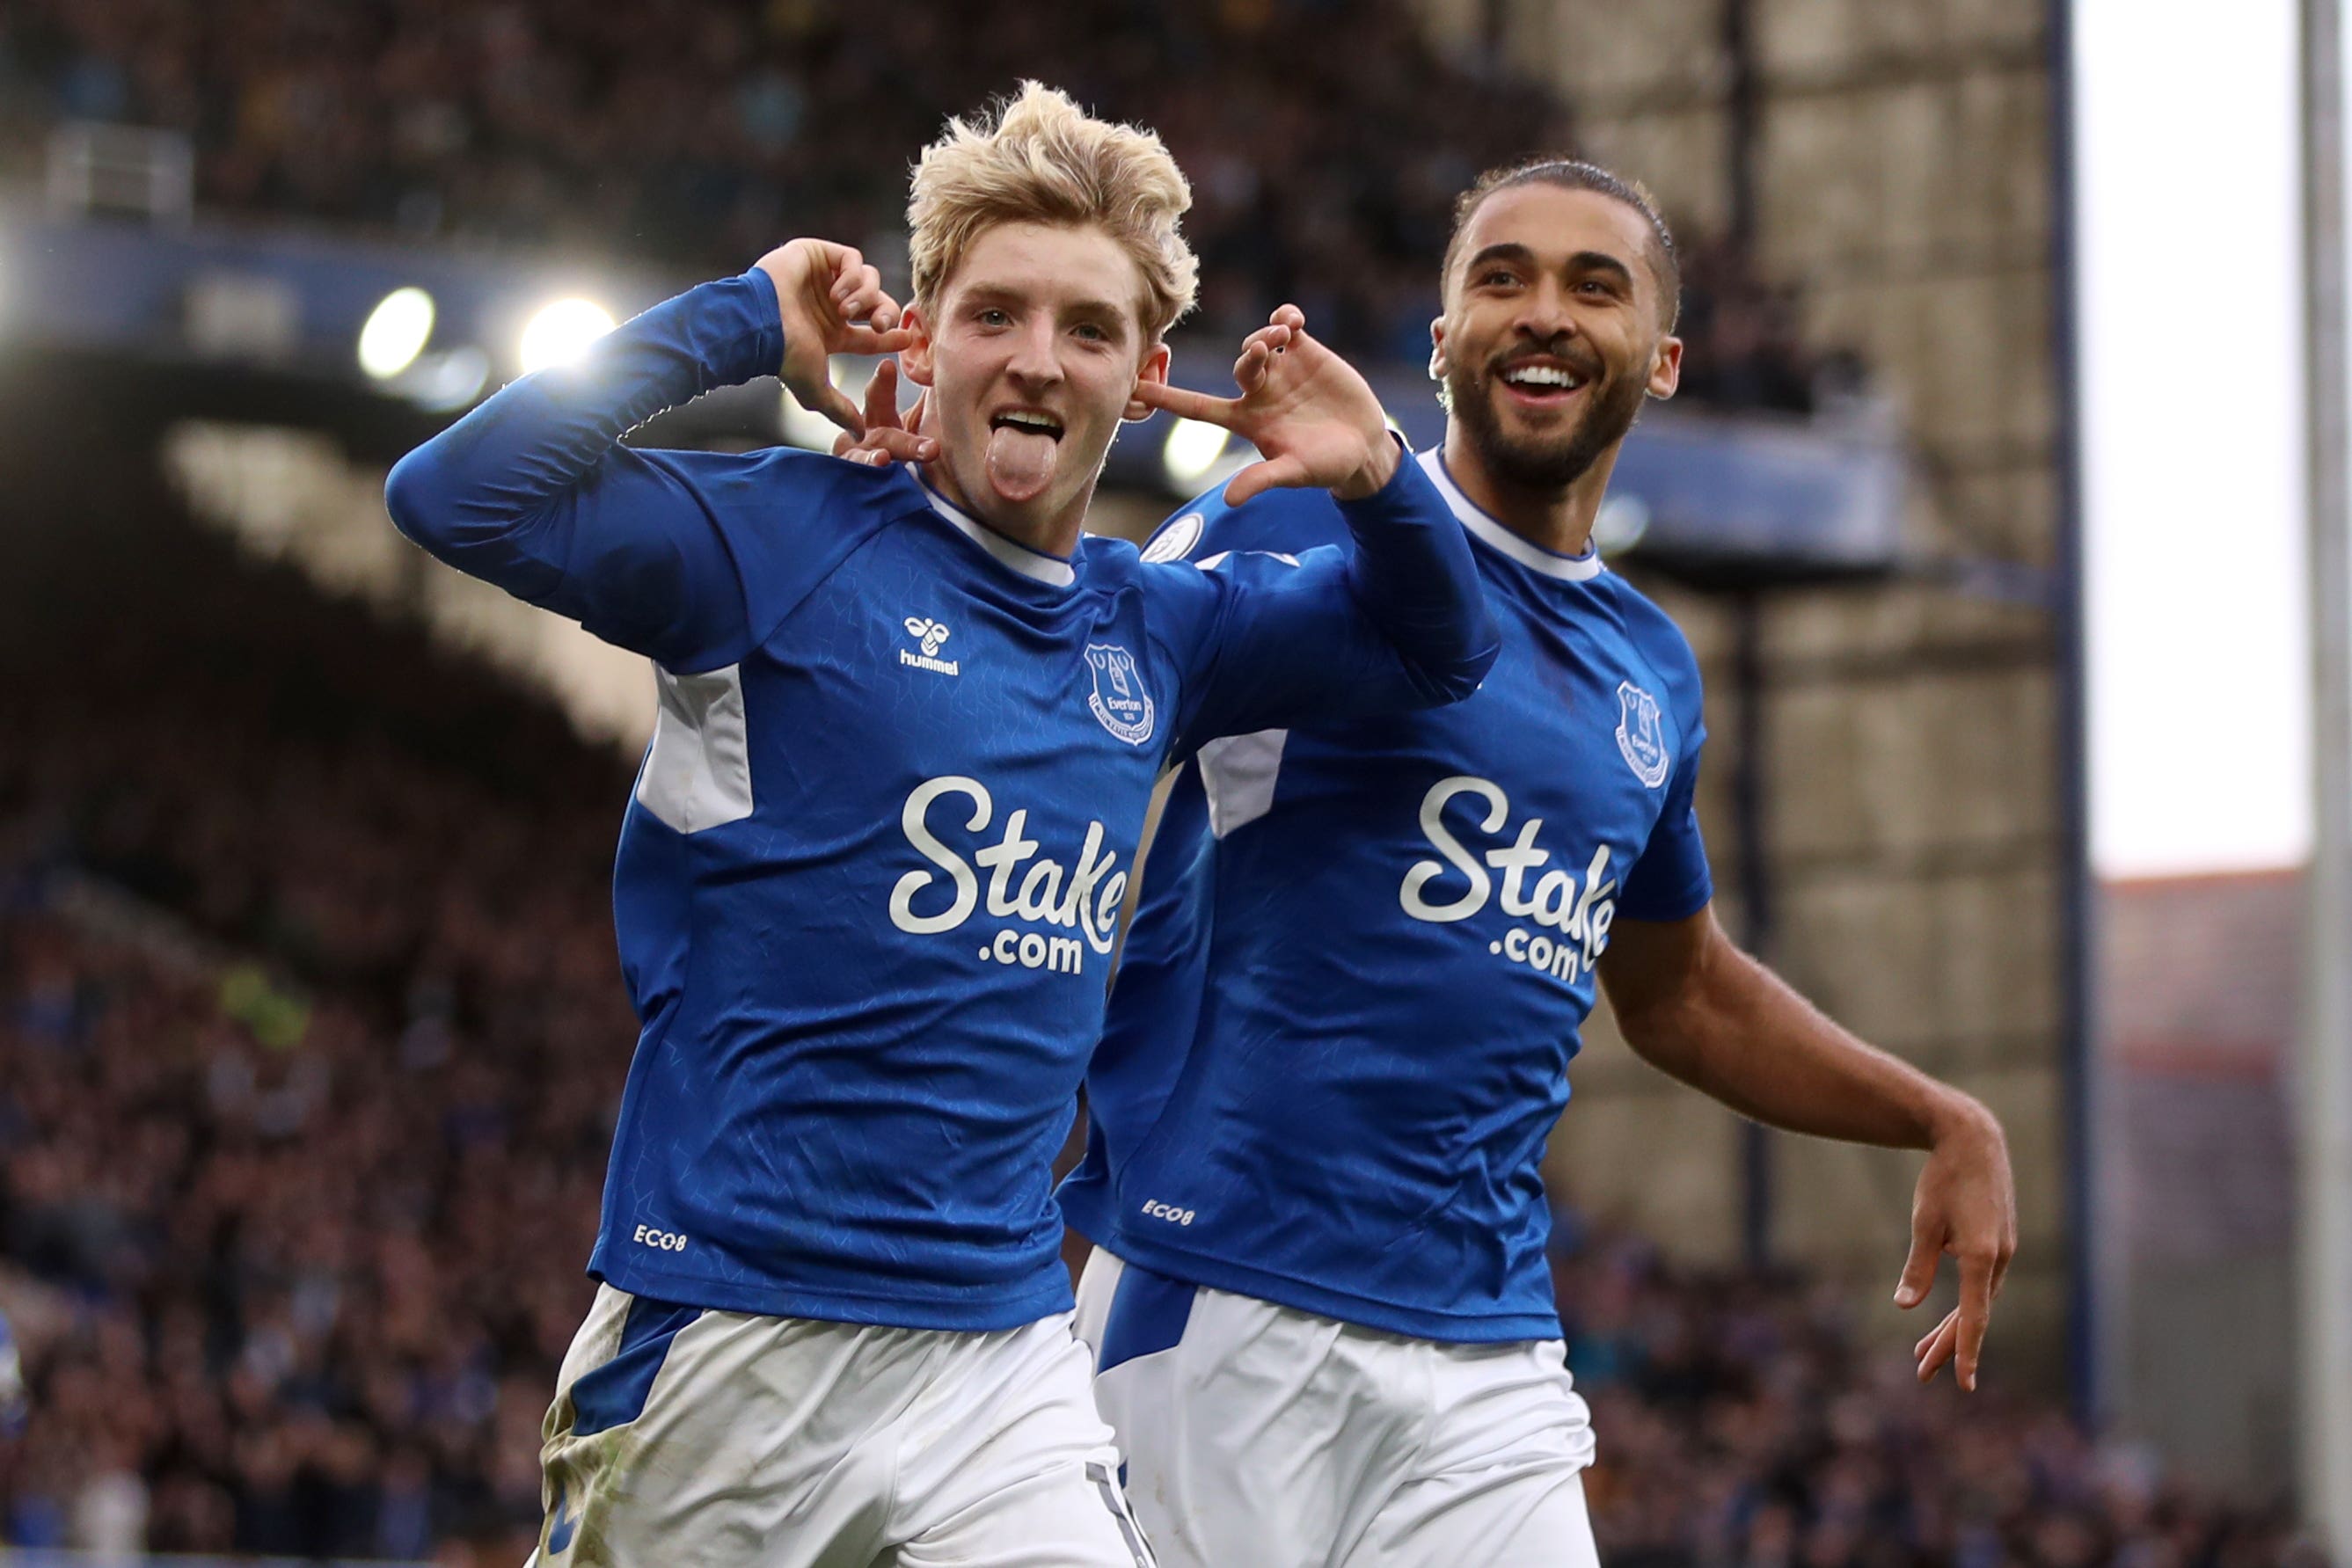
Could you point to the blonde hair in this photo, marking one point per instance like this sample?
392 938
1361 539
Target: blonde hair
1038 158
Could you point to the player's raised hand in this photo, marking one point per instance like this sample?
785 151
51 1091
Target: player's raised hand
832 303
1313 419
1966 1204
890 437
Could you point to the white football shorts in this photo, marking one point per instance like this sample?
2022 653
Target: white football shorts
723 1440
1258 1437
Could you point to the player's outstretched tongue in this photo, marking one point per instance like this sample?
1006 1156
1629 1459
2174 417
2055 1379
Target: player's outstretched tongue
1021 449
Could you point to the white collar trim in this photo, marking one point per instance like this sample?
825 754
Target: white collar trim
1052 570
1495 536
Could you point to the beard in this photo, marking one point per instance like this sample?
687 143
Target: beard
1552 461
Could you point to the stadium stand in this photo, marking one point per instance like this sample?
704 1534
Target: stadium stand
699 134
310 1036
318 1216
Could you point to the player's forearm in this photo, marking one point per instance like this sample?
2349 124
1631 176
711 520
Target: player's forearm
1738 1033
1413 575
507 462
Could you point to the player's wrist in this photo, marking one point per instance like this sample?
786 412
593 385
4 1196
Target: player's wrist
768 326
1382 461
1958 1120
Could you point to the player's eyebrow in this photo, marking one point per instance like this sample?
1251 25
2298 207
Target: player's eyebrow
1599 261
994 294
1523 255
1505 250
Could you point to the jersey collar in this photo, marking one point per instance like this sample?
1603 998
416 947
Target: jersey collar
1050 570
1495 536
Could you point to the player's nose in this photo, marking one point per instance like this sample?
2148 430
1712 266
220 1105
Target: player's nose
1544 314
1034 360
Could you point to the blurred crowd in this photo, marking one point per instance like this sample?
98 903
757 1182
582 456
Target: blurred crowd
311 1036
1324 140
310 1228
1743 1425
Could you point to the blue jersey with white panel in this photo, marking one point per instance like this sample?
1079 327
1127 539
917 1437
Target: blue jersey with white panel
868 878
1347 1001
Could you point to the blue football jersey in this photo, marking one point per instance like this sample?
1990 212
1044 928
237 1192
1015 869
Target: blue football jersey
869 879
1349 998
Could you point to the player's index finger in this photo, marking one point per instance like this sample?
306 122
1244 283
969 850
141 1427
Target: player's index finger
882 395
860 339
1976 1281
834 404
1186 403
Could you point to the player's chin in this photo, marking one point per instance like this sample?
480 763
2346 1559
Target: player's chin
1539 446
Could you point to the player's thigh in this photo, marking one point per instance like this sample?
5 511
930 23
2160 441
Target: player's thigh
1011 1465
1131 1320
666 1443
1530 1516
1498 1479
1241 1422
1069 1516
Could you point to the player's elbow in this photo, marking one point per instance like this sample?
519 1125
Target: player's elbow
1663 1033
454 510
417 497
1466 673
1452 671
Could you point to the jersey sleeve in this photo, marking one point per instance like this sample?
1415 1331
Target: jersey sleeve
1205 530
1671 881
688 558
1394 620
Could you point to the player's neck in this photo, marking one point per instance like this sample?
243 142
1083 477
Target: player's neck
1056 536
1559 520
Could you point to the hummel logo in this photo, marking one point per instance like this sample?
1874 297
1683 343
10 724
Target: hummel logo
930 633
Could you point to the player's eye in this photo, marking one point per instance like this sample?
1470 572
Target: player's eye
1498 278
990 315
1093 332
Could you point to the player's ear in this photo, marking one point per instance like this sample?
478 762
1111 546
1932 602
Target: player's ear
914 358
1153 368
1666 367
1437 349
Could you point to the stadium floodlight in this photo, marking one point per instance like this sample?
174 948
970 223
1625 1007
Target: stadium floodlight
561 332
396 332
1191 450
1622 520
448 381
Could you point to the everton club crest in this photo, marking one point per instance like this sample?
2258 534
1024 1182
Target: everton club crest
1119 699
1640 735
